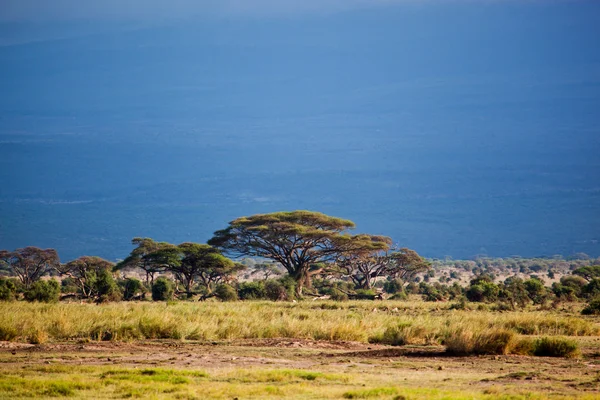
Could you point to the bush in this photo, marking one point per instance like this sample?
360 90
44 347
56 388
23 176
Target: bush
162 289
338 295
483 291
555 347
365 294
43 291
592 289
226 292
251 290
593 308
107 288
8 290
132 288
393 286
280 289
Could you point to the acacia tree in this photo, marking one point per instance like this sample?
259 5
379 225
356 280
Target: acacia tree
29 264
364 267
194 262
85 272
405 264
298 240
144 258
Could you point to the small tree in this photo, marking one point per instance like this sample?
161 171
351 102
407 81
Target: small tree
8 290
405 264
85 272
143 257
162 289
588 273
193 262
29 264
225 292
364 266
133 288
43 291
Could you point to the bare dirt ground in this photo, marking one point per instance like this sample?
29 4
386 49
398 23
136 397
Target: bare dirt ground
309 354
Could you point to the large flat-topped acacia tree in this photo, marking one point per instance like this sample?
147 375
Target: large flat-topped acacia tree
298 240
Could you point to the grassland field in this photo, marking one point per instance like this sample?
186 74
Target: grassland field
305 350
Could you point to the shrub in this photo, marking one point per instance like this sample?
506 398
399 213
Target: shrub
251 290
43 291
483 291
280 289
107 288
535 290
162 289
593 308
132 288
365 294
399 296
555 347
68 285
338 295
8 290
226 292
592 289
393 286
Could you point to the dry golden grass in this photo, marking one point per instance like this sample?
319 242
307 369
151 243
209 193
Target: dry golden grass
391 322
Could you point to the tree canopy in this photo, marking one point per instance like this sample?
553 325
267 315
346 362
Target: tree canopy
85 272
298 240
30 263
144 257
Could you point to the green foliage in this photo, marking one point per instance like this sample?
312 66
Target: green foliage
43 291
338 295
588 273
555 347
592 289
536 290
282 236
575 282
593 308
132 287
251 290
8 289
365 294
68 285
162 289
106 287
482 290
514 292
393 286
280 289
226 292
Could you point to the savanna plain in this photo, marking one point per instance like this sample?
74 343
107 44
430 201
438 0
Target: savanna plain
321 349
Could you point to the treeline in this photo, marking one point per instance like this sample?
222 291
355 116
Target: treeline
518 265
291 255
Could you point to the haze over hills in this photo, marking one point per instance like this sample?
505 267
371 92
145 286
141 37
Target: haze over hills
457 129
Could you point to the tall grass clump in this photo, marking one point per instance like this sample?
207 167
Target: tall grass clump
555 347
490 341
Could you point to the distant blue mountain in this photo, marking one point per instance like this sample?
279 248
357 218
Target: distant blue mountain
455 129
